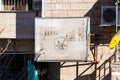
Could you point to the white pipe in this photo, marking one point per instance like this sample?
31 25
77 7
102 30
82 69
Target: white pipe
0 5
43 8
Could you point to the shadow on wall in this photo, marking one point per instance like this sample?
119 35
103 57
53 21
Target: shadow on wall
25 29
25 22
48 71
104 34
52 70
103 72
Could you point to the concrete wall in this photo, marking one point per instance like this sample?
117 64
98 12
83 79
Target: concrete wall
81 8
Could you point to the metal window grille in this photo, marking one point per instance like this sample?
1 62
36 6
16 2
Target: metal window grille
15 5
21 5
37 5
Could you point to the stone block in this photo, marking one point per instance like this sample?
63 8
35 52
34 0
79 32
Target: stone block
55 13
7 15
74 1
90 0
47 1
74 6
66 6
49 7
76 13
53 1
89 5
63 14
72 13
48 13
82 6
58 6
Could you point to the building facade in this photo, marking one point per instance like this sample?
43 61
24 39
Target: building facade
17 35
103 35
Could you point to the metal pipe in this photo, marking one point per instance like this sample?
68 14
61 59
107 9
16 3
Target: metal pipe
116 16
116 48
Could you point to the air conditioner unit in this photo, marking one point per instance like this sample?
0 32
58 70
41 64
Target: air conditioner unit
108 16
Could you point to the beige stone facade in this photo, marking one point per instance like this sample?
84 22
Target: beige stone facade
92 9
71 8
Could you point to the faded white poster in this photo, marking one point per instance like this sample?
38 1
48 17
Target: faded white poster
61 39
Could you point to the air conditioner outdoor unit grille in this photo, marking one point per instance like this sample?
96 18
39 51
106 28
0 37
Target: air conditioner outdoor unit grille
108 16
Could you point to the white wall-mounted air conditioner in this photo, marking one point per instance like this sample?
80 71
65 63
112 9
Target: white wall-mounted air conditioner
108 16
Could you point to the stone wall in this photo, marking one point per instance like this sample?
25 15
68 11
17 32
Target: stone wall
67 8
115 71
81 8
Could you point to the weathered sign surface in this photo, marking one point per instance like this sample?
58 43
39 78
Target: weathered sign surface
61 39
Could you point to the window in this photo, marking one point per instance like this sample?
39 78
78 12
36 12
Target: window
37 5
21 5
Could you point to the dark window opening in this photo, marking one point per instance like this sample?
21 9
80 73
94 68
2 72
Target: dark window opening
22 5
37 5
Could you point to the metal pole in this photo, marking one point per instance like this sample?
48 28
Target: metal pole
116 54
116 16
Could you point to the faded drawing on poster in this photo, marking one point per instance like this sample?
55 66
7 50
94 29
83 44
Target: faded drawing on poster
61 39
